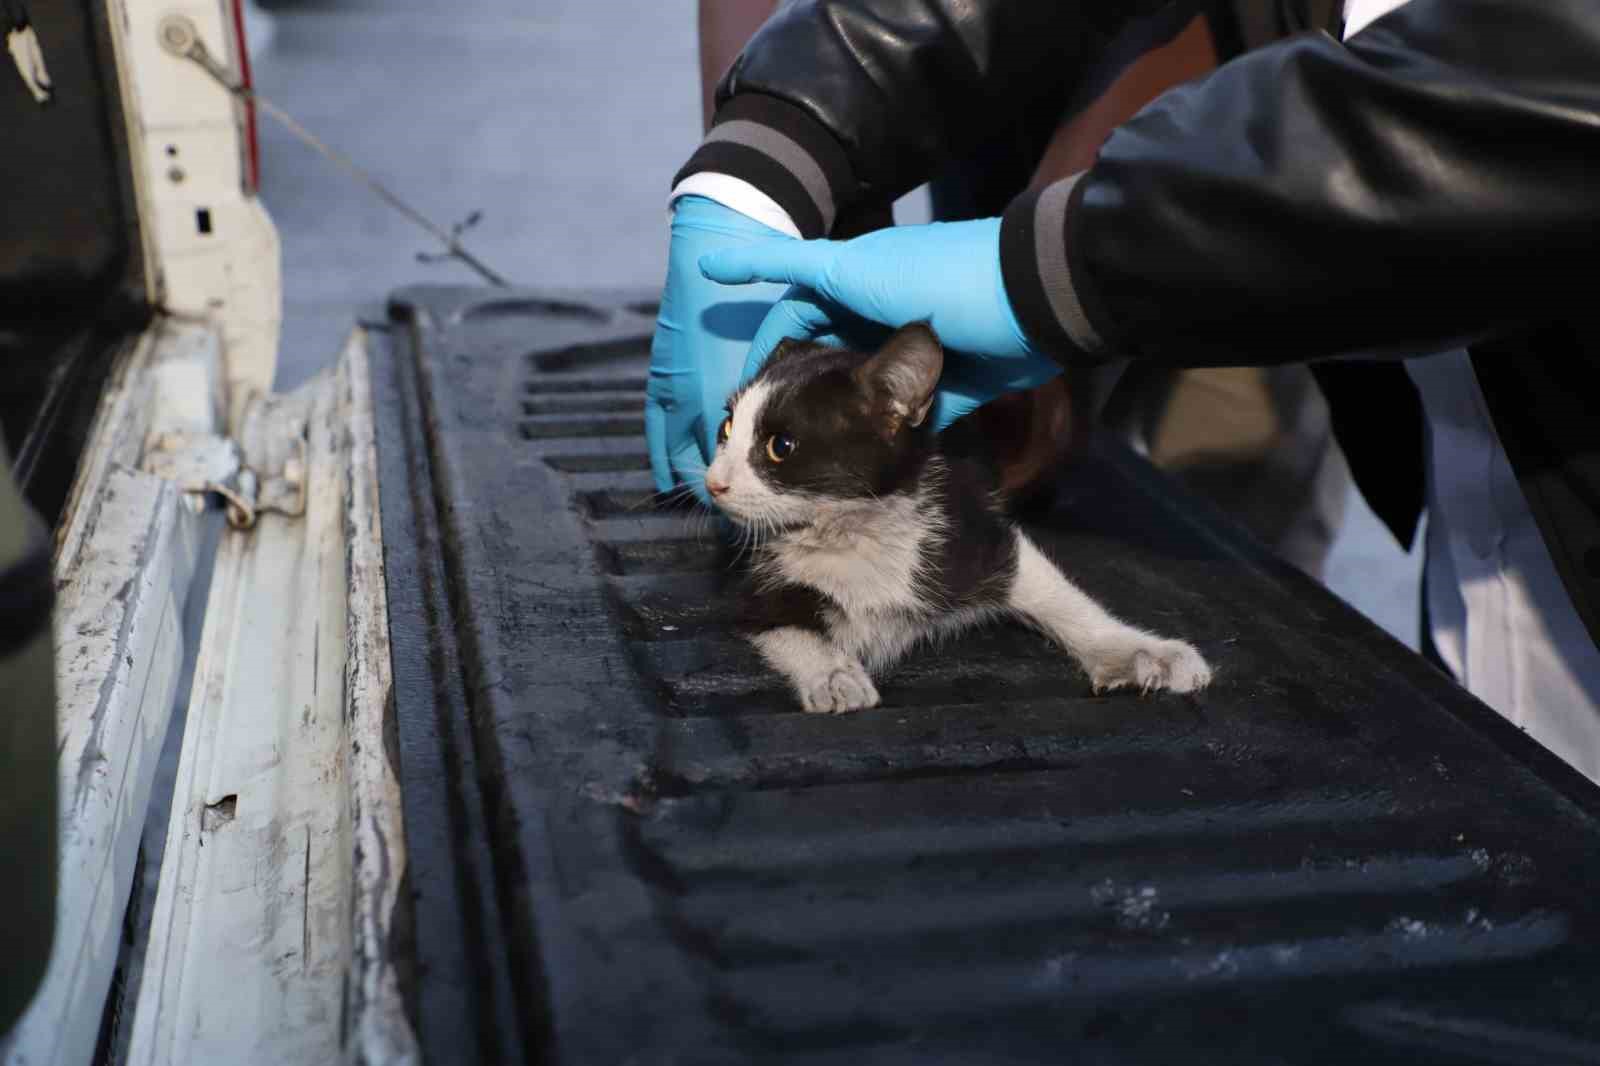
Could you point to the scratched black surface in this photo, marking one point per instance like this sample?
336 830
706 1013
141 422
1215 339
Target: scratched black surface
1334 855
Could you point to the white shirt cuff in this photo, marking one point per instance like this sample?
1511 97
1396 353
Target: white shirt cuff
1358 14
737 195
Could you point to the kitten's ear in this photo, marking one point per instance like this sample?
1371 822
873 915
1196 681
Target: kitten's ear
901 377
785 348
789 348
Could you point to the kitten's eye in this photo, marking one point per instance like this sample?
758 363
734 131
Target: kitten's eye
725 430
780 447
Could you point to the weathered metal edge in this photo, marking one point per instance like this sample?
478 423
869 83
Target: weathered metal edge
124 559
381 1031
286 806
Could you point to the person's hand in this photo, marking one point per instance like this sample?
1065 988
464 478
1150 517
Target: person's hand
947 274
703 332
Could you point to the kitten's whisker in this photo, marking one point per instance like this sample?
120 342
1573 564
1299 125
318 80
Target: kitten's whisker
669 499
681 489
702 519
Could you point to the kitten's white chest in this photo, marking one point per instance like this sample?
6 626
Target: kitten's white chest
864 558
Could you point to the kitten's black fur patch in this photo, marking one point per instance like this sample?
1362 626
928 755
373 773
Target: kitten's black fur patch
764 606
977 560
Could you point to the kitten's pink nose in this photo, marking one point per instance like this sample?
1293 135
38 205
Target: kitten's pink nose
716 488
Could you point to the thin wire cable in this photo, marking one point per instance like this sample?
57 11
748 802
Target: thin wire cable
451 240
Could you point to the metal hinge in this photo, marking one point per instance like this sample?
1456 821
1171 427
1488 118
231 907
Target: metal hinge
206 467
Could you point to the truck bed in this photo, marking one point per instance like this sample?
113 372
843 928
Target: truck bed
626 842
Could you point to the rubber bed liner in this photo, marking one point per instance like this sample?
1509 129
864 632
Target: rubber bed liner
628 845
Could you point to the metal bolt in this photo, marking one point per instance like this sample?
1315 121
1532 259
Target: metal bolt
178 34
180 37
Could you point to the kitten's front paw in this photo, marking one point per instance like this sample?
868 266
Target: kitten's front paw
1153 665
846 688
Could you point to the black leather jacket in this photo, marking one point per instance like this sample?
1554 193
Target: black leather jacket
1433 182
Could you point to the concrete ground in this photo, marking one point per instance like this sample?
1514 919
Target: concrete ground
562 122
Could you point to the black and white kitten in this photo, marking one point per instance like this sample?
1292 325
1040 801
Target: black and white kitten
871 539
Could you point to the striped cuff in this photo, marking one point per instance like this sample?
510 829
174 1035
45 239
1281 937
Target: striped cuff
782 151
1036 265
738 196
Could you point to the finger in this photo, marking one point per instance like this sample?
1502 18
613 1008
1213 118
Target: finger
963 388
706 430
854 332
793 262
690 466
655 437
953 404
795 317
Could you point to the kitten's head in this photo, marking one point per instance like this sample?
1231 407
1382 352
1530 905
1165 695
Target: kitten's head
820 425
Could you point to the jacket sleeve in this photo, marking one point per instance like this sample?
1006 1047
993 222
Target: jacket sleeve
1427 183
836 104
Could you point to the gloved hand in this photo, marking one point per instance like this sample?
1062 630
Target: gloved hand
946 273
703 333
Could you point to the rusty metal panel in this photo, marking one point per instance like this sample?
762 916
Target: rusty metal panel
1335 855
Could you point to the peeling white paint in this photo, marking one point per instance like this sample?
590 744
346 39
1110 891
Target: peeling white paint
119 649
269 937
380 1032
124 562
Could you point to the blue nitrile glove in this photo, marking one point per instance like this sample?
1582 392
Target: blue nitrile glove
946 273
703 333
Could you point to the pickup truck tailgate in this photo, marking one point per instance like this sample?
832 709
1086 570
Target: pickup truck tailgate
626 843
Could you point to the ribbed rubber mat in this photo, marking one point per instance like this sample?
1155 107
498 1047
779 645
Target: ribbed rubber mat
1332 856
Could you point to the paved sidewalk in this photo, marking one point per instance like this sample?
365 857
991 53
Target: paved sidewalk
561 122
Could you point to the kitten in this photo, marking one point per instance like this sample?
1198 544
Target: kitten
870 538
